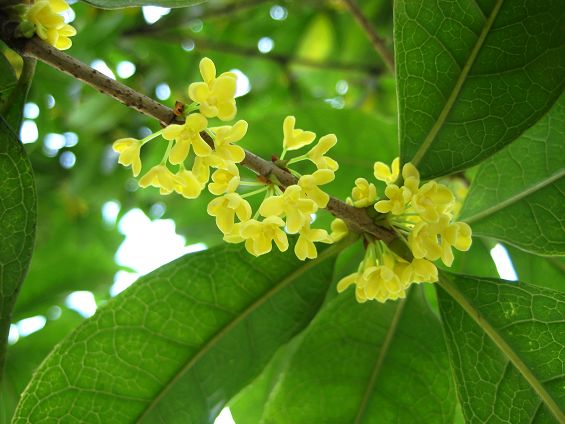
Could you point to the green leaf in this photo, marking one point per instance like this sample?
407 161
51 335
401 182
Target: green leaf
548 272
367 363
507 348
7 78
473 75
182 341
17 231
12 110
247 406
119 4
25 356
518 195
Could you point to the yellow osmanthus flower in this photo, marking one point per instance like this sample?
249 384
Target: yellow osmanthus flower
458 235
224 180
161 177
259 235
432 200
291 204
49 24
396 202
225 209
225 137
316 154
202 165
295 138
310 183
129 150
423 239
388 174
363 194
216 95
411 178
186 135
339 229
187 185
305 247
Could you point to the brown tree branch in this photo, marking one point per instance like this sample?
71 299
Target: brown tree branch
357 219
379 43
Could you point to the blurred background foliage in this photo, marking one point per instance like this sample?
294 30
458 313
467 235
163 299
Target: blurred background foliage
307 58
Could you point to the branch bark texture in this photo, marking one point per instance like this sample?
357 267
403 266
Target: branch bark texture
357 219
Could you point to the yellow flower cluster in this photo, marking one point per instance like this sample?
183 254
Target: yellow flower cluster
291 209
422 216
219 152
283 212
45 18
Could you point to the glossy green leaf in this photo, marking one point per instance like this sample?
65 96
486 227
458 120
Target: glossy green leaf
247 407
183 340
548 272
17 229
473 75
118 4
27 353
7 78
367 363
12 109
518 195
507 348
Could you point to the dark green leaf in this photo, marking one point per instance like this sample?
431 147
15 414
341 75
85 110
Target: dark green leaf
7 78
247 407
118 4
26 355
367 363
474 75
548 272
181 342
17 229
12 109
507 348
518 195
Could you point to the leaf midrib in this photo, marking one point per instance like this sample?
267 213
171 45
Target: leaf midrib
232 324
458 86
515 198
380 360
446 284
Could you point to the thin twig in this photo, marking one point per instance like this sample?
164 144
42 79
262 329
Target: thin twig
379 43
357 219
281 59
186 15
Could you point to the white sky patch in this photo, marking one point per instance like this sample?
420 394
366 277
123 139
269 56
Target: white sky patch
147 246
13 335
101 66
265 45
342 87
69 15
125 69
71 139
30 325
243 86
29 132
31 110
83 302
225 417
152 14
50 101
278 13
54 141
110 211
187 45
67 159
163 91
503 263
